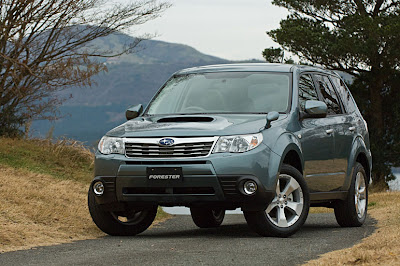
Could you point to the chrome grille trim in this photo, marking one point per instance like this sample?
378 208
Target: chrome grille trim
182 148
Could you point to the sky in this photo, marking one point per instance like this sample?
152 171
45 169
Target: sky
230 29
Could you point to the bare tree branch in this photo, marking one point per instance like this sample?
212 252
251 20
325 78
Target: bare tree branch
48 45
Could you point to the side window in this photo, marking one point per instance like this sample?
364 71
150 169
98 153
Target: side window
344 94
329 95
306 90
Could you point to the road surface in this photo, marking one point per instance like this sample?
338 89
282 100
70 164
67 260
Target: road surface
179 242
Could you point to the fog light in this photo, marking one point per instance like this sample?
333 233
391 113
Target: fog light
250 187
98 188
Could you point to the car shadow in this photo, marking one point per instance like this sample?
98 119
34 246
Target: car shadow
170 229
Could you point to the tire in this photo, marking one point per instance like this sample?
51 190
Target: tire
352 211
288 211
127 223
207 218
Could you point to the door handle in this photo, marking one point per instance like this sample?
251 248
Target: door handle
352 128
329 131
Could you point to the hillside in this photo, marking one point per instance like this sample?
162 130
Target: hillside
131 79
134 77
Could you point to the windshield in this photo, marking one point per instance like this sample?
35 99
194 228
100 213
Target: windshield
223 92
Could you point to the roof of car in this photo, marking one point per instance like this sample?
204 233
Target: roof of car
250 67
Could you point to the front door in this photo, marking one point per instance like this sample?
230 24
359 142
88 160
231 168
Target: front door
336 121
317 141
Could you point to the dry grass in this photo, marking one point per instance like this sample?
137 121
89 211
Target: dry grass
39 210
320 210
43 192
383 246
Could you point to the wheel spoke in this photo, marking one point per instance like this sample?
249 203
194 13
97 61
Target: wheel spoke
281 217
291 186
271 206
357 206
358 178
362 206
278 188
296 207
363 196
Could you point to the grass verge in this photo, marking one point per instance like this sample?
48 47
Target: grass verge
43 191
39 210
383 246
63 159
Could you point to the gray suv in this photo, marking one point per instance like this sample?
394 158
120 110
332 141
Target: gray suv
271 139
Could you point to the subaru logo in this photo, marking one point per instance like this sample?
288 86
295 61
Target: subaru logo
166 142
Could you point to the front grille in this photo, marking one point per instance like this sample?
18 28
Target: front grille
181 150
164 162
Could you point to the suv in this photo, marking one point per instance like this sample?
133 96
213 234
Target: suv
271 139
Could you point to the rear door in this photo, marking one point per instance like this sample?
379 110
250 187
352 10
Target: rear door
337 127
345 136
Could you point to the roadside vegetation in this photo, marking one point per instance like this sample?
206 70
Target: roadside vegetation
383 246
63 159
43 191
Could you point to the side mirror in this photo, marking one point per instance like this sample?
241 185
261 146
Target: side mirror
315 109
134 111
271 116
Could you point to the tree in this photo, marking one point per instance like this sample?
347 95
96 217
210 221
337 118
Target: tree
360 37
276 55
48 45
273 55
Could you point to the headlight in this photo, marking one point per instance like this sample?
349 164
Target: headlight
108 145
240 143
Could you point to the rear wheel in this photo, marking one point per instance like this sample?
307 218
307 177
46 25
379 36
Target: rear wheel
352 211
125 223
288 210
206 217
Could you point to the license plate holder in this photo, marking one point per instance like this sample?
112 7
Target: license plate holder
164 174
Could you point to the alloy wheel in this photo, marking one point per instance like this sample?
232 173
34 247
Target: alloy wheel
360 195
287 206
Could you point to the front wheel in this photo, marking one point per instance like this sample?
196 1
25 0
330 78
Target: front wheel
125 223
206 217
288 210
352 212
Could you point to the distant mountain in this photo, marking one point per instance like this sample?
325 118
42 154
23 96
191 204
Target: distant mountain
131 79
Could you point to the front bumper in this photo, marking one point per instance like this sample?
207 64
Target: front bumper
212 181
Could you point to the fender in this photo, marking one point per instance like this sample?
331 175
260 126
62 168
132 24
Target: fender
357 148
285 143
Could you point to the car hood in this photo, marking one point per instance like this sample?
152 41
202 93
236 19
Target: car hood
191 125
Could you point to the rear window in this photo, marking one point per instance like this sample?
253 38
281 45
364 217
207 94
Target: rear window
345 96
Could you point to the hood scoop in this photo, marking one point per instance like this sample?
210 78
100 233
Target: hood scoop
185 119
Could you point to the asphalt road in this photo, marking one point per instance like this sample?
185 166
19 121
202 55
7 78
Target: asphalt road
179 242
